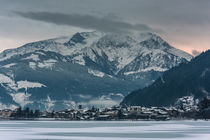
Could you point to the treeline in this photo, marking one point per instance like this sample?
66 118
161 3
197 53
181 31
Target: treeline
26 113
204 108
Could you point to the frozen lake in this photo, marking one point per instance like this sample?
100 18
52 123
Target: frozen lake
114 130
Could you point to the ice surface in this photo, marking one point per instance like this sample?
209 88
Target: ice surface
114 130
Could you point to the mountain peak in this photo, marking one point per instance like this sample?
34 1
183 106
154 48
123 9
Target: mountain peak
153 41
76 38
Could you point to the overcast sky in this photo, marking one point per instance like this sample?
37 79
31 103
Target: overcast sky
185 24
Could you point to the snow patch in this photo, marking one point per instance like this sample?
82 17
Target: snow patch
48 103
116 94
41 53
146 70
70 104
3 106
84 96
5 79
96 73
26 84
47 63
9 65
32 65
50 61
103 102
180 53
79 60
20 84
32 57
205 71
109 100
205 91
21 98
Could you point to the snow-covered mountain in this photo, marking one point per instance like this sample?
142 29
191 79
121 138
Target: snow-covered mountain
88 68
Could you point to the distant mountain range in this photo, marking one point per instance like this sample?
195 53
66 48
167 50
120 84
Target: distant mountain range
186 80
88 68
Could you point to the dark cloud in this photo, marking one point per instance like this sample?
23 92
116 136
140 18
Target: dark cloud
183 23
105 24
195 52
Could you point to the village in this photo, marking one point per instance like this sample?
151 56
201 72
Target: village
185 108
110 114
